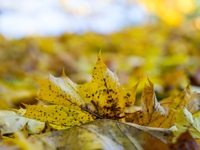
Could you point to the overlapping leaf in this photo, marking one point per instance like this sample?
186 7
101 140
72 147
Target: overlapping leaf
104 92
104 134
73 106
151 113
154 115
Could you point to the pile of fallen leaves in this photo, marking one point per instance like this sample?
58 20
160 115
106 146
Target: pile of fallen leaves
102 114
169 56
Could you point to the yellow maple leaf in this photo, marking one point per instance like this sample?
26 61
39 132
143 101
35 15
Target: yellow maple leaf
151 113
186 99
105 93
102 97
155 115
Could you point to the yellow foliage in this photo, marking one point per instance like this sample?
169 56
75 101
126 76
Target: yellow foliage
170 11
85 110
186 121
102 97
58 116
155 115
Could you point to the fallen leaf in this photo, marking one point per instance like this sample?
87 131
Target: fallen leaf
102 97
103 134
151 113
155 115
106 94
186 99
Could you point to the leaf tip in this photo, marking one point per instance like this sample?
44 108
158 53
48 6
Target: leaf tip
149 81
188 87
99 56
63 73
25 105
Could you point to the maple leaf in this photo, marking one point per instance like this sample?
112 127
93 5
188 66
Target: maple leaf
186 99
102 97
105 92
151 113
155 115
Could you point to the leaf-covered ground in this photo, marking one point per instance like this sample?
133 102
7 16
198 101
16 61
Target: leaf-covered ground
148 103
102 114
169 56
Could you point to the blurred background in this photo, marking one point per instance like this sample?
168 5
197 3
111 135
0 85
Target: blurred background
158 39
